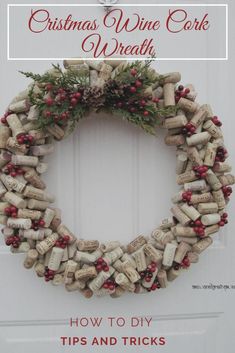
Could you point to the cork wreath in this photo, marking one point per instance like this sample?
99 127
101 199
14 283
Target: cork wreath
48 110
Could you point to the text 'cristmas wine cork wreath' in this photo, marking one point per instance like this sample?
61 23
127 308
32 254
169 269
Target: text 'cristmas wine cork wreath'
48 110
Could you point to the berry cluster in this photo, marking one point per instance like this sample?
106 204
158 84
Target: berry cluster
25 139
185 262
12 170
181 92
186 196
4 118
200 171
227 191
101 265
189 129
62 242
49 274
216 121
110 284
221 154
198 227
11 211
36 224
13 240
148 274
223 220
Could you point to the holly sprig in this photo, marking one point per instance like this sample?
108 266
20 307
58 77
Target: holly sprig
62 97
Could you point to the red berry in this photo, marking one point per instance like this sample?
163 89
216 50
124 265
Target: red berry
132 89
154 286
49 101
77 95
142 103
181 87
66 238
73 101
119 104
13 174
41 223
111 286
47 113
133 72
138 83
106 285
3 120
99 267
49 87
146 113
147 279
106 268
100 261
187 90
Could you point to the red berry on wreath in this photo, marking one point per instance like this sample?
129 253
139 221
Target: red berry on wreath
133 72
132 89
49 101
138 83
145 113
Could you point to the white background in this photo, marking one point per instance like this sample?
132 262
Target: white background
114 182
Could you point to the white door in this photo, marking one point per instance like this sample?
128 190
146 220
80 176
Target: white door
114 182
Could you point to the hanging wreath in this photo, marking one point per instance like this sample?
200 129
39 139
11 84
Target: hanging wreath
48 110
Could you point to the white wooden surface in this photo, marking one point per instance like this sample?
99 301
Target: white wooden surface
114 182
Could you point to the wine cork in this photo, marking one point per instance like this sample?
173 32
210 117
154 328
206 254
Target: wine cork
139 289
227 179
212 180
136 244
12 183
201 198
109 246
187 105
37 194
39 269
186 177
98 281
56 221
199 117
45 245
3 205
174 140
55 258
33 178
19 107
5 157
63 230
42 150
180 231
13 146
193 257
33 113
168 255
93 77
207 207
169 94
210 154
175 122
3 190
37 205
140 260
42 167
149 284
197 185
172 274
171 77
212 129
152 253
118 292
181 251
222 167
5 133
113 255
105 71
76 285
71 62
3 220
56 131
180 215
86 257
34 234
70 269
190 211
131 273
48 216
15 125
15 200
219 198
128 259
86 273
209 219
21 223
57 280
167 223
198 139
87 245
194 156
181 162
162 237
25 160
123 281
162 278
211 229
187 240
202 245
31 258
86 292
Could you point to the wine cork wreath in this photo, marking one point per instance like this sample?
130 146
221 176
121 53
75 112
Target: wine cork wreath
48 110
